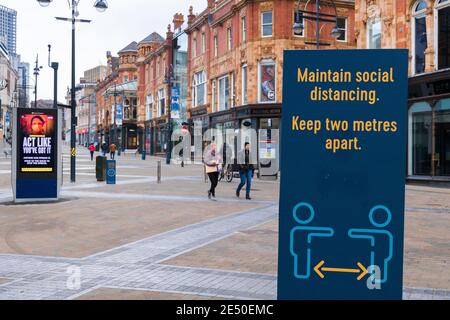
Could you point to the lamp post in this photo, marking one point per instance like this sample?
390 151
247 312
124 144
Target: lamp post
37 69
101 6
54 66
318 17
169 81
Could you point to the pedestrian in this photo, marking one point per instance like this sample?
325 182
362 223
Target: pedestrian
91 150
212 162
112 151
246 168
104 149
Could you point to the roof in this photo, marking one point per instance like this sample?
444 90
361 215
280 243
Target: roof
132 47
154 37
127 87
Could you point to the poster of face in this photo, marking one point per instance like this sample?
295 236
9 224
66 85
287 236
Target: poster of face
37 142
268 83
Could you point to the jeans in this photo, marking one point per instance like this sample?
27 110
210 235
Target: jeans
246 178
214 178
112 155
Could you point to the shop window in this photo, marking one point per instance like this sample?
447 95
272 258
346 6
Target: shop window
199 89
374 34
442 136
267 24
223 93
419 39
420 137
443 34
267 82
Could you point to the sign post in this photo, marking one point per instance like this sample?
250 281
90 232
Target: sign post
36 154
343 184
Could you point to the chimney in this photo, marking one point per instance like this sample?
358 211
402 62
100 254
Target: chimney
178 20
191 15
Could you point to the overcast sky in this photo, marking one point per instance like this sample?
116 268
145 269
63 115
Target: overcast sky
125 21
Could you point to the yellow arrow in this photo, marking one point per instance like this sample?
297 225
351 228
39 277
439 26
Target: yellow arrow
362 271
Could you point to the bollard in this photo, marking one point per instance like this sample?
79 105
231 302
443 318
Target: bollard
159 172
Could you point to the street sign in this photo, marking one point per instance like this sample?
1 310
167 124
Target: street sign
343 174
111 172
36 149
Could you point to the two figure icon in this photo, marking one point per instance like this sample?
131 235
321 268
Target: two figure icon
302 236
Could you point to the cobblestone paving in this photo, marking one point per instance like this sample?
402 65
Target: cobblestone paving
140 266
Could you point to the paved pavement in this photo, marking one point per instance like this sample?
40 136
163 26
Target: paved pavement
125 241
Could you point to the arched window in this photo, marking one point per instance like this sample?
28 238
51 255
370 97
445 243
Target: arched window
420 138
419 36
442 38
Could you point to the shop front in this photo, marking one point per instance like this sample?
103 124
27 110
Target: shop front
264 119
429 127
156 131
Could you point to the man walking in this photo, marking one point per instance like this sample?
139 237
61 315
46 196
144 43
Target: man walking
245 171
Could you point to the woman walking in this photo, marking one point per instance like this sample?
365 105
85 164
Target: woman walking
212 161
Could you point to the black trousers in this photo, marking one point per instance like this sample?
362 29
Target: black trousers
214 178
92 155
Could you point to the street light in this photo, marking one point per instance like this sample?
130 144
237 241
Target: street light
318 17
168 80
100 5
37 69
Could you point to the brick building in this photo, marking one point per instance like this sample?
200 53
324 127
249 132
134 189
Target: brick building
162 64
423 27
235 58
116 97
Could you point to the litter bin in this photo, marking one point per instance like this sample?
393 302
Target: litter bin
100 168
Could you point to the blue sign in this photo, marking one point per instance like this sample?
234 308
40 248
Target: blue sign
119 114
175 103
110 171
343 184
7 117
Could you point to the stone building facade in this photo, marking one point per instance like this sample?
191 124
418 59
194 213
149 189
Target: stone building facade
423 27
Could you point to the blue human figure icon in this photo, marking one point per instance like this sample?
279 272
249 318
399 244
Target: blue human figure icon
377 238
301 240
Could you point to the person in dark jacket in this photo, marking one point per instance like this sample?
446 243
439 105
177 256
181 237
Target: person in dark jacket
246 168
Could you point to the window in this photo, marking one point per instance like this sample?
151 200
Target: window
213 99
125 79
419 37
229 39
374 34
149 107
203 43
199 89
298 18
341 24
266 23
216 46
244 29
223 93
244 84
267 81
194 48
443 34
161 102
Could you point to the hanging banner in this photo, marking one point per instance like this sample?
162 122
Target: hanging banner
343 174
175 103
